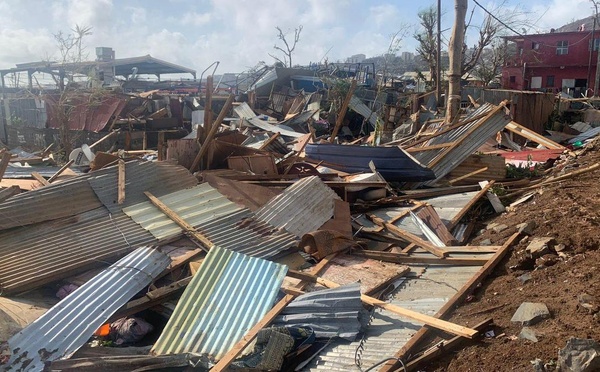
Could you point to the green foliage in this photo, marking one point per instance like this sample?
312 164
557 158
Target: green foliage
528 171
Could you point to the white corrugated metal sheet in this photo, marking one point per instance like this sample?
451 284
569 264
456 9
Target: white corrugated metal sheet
227 296
224 223
245 112
301 208
67 326
357 105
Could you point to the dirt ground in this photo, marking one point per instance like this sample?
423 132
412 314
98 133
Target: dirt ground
569 211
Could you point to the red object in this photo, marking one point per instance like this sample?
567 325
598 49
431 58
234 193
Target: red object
103 331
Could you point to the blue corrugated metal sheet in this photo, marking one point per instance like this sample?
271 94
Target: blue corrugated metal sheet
330 312
301 208
227 296
67 326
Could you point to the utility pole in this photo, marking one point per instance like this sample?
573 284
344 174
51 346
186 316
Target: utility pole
455 49
438 69
597 79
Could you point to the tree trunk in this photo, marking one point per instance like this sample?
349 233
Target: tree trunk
455 53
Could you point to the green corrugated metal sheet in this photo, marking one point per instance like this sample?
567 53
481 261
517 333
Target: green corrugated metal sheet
228 295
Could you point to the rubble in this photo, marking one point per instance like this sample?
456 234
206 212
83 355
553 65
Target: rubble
530 313
579 355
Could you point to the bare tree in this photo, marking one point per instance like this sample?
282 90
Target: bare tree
289 46
427 39
490 62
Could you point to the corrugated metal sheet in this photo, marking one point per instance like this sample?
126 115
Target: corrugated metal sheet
13 172
330 312
358 106
245 112
225 223
159 178
388 332
36 255
301 208
487 127
586 135
446 207
67 326
88 113
227 296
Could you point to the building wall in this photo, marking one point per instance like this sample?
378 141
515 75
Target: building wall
536 60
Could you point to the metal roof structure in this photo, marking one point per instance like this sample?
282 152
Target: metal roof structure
36 255
224 223
329 312
69 324
301 208
461 141
358 106
388 332
226 297
244 111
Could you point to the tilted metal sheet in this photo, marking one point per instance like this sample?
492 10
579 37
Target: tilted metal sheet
159 178
228 295
69 324
486 128
388 332
358 106
245 112
329 313
36 255
301 208
224 223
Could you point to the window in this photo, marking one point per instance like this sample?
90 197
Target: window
562 47
512 79
536 82
535 45
596 43
550 81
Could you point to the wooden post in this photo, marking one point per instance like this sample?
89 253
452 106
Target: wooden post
408 236
61 170
4 160
161 148
201 137
201 238
443 325
121 182
211 134
342 112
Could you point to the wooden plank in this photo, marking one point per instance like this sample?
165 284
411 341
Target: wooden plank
432 147
401 215
121 182
8 192
444 347
466 290
342 111
422 318
409 237
213 130
4 161
189 229
471 174
403 258
268 142
328 183
298 153
242 344
61 170
469 205
533 136
38 177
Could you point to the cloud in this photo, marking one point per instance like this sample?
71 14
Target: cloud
196 19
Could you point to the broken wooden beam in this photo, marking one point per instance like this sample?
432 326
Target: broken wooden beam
38 177
121 182
403 258
8 192
61 170
458 297
342 112
422 318
471 174
469 205
189 229
409 237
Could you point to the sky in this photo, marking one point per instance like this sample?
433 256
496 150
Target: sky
240 33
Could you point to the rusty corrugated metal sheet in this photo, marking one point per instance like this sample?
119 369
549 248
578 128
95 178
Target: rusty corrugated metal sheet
88 114
227 296
69 324
39 254
301 208
224 223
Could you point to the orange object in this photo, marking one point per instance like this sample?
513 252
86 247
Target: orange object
104 330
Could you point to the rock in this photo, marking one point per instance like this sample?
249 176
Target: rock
499 228
530 313
491 225
525 278
539 246
526 227
582 355
486 242
560 247
528 334
588 302
538 365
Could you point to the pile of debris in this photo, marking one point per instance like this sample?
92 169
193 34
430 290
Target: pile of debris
269 243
